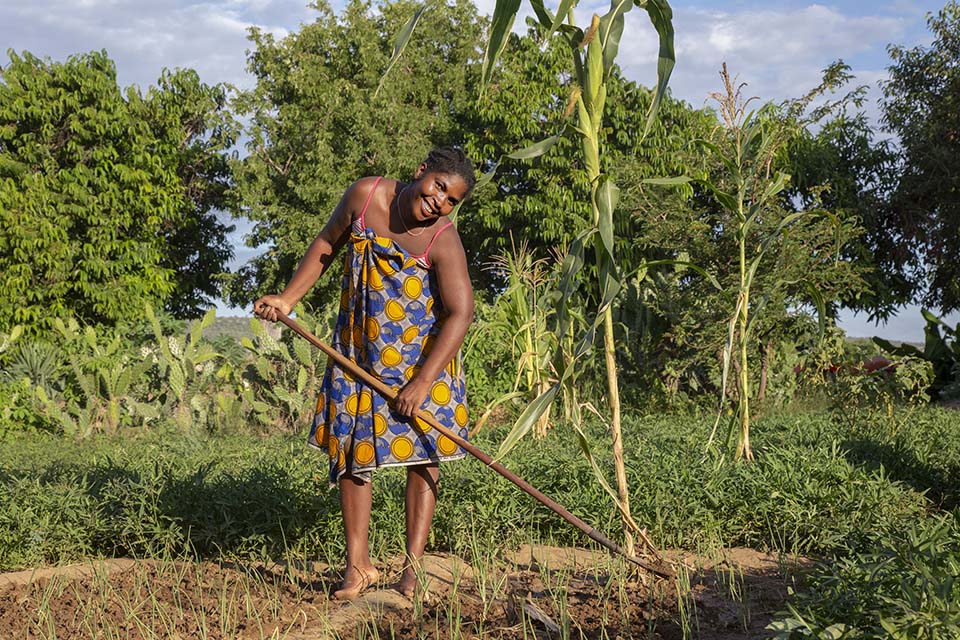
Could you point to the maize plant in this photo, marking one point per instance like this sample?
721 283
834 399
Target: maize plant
746 147
594 51
523 311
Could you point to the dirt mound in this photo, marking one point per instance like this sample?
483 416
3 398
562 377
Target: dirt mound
521 594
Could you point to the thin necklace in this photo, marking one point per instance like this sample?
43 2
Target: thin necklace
400 215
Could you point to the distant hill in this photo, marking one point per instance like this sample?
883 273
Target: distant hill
234 326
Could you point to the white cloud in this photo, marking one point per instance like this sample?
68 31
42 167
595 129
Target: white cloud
779 53
144 37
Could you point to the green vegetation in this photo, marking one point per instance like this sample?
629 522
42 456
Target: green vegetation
128 431
107 196
814 490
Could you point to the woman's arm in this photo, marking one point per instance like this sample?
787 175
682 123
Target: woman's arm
319 254
450 262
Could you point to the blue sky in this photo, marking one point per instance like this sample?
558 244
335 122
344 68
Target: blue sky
778 48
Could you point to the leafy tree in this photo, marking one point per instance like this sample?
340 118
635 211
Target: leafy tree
922 107
98 191
843 168
318 122
194 132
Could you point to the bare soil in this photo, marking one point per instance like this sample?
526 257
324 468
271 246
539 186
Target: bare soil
534 592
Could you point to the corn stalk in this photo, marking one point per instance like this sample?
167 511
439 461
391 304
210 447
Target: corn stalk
594 52
747 147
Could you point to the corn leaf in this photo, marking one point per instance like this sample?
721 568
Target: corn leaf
611 30
609 278
725 369
502 22
527 419
732 166
686 265
544 17
572 264
776 186
403 37
821 306
562 11
537 149
607 196
661 16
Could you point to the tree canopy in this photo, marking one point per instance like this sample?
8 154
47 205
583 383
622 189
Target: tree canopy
105 194
922 107
318 124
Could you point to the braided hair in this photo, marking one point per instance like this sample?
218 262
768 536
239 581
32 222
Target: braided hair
454 161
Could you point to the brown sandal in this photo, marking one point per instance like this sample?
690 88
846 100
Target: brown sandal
367 577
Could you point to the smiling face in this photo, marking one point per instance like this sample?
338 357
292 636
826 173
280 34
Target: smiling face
435 194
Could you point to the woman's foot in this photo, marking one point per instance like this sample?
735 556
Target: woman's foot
355 581
410 585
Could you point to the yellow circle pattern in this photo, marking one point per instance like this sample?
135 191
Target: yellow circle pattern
422 425
440 393
333 446
460 415
410 334
352 404
379 424
373 328
363 453
375 280
365 402
322 434
395 311
446 446
390 357
401 448
412 287
411 372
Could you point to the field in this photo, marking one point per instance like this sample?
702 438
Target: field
176 534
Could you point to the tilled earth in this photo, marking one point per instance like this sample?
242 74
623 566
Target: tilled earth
534 592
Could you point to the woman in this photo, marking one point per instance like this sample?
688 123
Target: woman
405 308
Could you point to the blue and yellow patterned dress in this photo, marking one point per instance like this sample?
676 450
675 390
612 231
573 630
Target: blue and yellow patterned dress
390 314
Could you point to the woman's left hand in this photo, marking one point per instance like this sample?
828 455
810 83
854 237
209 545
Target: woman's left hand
411 397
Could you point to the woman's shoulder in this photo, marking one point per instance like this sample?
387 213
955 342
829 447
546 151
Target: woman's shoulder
447 245
366 188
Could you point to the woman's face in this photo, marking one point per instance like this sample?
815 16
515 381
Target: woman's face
435 194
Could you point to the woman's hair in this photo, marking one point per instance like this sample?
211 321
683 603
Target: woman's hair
454 161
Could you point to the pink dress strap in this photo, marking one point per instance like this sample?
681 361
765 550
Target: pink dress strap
363 211
426 252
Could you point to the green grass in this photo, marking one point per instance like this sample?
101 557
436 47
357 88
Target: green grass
879 509
813 490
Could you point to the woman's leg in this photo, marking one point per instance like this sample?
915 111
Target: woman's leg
421 500
356 500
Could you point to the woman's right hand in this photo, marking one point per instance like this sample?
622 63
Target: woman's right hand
268 306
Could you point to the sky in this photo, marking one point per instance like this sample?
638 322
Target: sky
779 48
